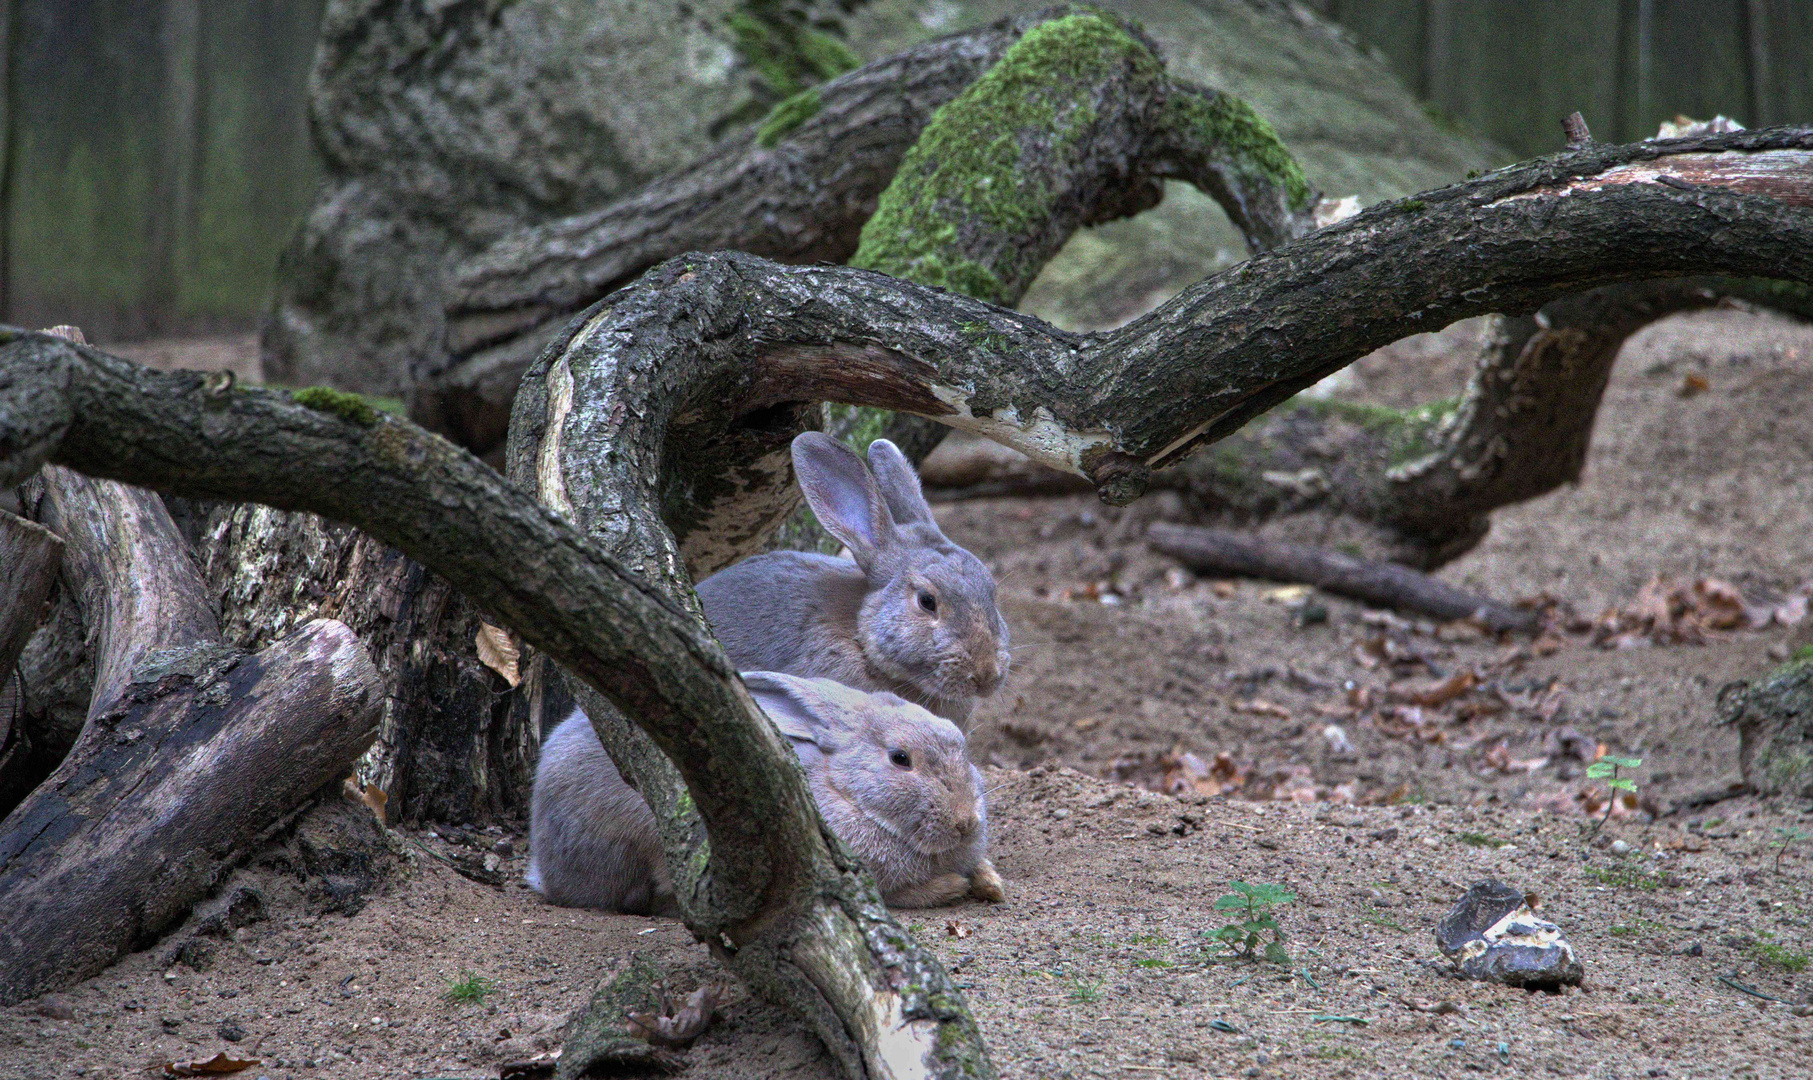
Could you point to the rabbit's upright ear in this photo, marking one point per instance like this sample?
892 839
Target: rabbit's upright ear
842 492
791 704
899 484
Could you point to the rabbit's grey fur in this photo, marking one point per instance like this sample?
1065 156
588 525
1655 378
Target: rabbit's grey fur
893 781
914 614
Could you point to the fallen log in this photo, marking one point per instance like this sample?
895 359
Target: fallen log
191 753
1220 551
166 791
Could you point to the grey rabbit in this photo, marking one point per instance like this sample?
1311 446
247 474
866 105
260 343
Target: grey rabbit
893 781
914 614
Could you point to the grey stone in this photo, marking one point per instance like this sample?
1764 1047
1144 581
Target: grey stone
56 1007
1492 935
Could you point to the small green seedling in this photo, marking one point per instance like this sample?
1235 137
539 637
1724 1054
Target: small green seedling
1085 991
1790 837
1607 769
470 988
1245 938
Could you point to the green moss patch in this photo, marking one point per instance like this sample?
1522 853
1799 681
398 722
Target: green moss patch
349 407
1231 127
964 169
789 115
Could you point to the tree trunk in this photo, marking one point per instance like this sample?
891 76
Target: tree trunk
456 742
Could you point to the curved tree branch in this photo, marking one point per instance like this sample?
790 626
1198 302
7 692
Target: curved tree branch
1063 118
1427 479
674 393
790 909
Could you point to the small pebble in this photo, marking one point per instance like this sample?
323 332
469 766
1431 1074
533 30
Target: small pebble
230 1030
1619 847
56 1007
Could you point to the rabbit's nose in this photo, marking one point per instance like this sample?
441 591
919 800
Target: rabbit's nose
988 674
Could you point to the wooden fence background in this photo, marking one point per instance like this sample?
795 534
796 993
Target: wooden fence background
154 154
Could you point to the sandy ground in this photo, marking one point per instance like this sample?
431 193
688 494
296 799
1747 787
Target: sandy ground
1097 965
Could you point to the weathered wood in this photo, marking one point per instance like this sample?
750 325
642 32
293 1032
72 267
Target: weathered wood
196 758
1427 480
30 556
136 583
1111 125
691 364
455 742
1383 584
1773 714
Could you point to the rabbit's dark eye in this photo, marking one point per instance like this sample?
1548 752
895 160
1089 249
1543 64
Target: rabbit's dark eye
928 602
901 758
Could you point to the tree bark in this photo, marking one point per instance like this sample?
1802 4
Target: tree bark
173 783
1219 551
191 750
455 742
1427 480
32 555
1099 122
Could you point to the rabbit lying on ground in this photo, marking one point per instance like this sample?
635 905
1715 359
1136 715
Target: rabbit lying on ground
893 781
914 614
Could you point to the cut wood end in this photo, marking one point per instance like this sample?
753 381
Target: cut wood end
68 333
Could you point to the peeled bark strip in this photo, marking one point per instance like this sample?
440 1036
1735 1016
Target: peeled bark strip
31 555
1219 551
1065 118
169 787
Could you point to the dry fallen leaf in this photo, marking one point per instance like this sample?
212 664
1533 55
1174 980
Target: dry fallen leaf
1432 695
218 1065
371 795
953 928
497 652
677 1027
1694 383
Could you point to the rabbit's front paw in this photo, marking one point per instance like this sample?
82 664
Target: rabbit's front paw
985 883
